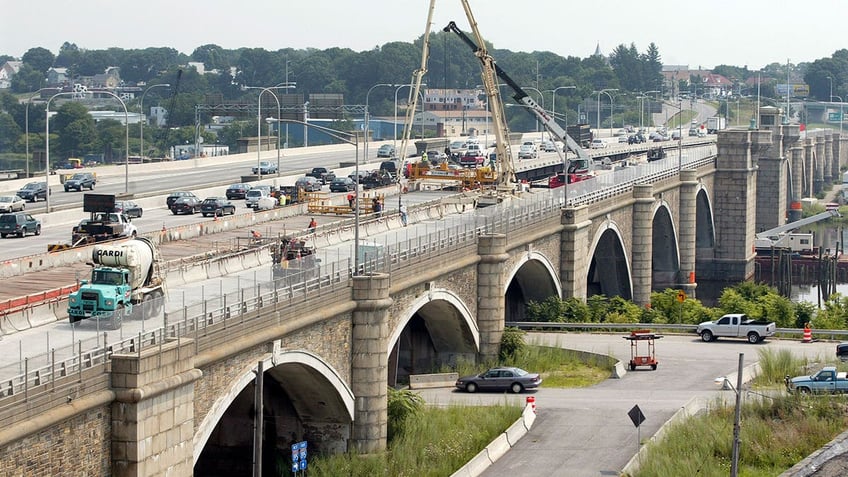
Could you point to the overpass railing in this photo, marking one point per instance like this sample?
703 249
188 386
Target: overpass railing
225 312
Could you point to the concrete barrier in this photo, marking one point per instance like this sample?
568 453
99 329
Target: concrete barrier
515 432
42 315
437 380
498 447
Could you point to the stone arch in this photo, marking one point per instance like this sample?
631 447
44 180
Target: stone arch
609 275
704 224
665 250
533 278
299 367
438 327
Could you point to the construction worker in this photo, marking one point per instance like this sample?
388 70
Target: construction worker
403 214
312 224
424 159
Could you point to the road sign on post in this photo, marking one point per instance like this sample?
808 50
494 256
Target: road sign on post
637 418
834 117
681 296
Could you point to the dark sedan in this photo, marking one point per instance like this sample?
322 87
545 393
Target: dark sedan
237 191
500 379
173 196
217 206
129 208
185 205
342 184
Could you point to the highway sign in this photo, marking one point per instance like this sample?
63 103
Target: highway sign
834 117
636 416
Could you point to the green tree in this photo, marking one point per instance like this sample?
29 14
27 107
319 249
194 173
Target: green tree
26 79
9 132
75 129
40 59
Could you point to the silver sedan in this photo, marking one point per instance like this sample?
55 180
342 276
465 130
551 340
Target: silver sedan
11 203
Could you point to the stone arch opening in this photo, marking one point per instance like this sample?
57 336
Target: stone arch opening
704 226
609 271
304 399
533 279
437 329
665 256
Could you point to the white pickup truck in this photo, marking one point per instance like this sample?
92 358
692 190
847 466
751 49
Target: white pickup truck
736 325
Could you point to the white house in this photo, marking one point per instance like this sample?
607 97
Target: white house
7 71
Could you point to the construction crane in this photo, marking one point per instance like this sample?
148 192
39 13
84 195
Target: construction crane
412 100
505 182
583 163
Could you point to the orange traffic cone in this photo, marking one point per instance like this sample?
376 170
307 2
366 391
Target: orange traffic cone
808 334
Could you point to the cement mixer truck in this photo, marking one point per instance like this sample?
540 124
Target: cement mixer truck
125 281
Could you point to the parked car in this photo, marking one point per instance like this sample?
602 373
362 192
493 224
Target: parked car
251 199
173 196
375 179
265 167
438 156
500 379
19 223
129 208
33 191
342 184
623 139
386 150
308 184
237 191
598 144
472 159
11 203
216 206
80 181
391 167
322 174
185 205
736 325
842 352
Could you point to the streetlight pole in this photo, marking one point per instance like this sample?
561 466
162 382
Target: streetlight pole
553 101
840 111
605 91
368 113
259 128
680 134
643 94
734 464
541 102
142 120
26 126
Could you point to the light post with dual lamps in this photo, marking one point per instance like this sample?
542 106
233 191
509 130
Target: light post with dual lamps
553 102
394 138
642 96
142 120
840 111
368 113
259 129
606 92
47 141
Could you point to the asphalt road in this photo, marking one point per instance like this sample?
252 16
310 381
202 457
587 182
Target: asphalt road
586 432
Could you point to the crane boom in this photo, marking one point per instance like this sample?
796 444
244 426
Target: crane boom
583 162
412 100
505 167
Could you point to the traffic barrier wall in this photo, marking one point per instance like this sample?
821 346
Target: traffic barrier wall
515 432
498 447
14 322
41 315
476 466
193 274
437 380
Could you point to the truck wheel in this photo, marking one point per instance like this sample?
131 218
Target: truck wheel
706 336
753 338
91 187
117 318
38 229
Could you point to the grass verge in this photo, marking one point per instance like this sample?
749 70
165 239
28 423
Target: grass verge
436 442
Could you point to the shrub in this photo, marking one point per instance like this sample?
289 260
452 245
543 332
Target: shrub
512 344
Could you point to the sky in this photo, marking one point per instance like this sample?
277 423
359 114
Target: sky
704 34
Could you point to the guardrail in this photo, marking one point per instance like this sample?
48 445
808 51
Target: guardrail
201 320
829 334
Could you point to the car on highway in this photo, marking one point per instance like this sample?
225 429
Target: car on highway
33 191
500 379
375 179
342 184
173 196
251 199
308 184
185 205
19 223
386 150
237 191
11 203
216 206
129 208
472 159
598 144
265 167
80 181
437 156
548 146
527 151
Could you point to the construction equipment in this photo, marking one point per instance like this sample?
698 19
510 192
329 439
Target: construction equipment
124 275
580 166
293 262
642 336
505 183
783 238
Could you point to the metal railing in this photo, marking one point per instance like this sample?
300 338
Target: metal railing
218 314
